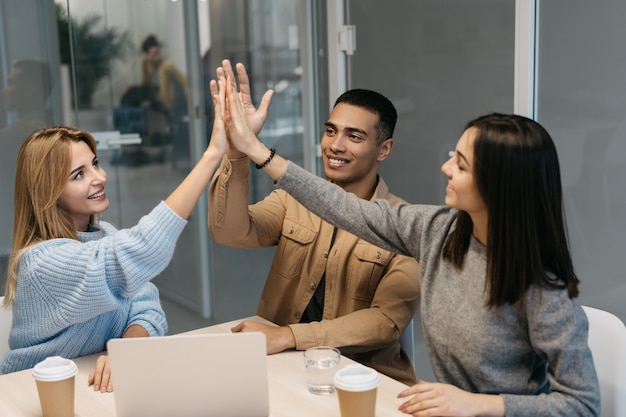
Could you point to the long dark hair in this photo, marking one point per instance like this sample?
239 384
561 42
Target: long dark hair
517 173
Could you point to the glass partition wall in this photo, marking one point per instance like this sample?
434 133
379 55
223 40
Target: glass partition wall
441 64
144 131
581 100
273 40
216 282
29 93
94 56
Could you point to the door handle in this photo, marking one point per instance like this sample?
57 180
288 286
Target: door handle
114 140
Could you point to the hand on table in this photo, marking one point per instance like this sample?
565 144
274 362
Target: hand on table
100 377
435 399
278 338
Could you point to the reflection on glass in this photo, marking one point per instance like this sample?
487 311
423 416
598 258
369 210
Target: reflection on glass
97 73
441 64
24 108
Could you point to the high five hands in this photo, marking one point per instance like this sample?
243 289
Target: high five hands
255 118
241 119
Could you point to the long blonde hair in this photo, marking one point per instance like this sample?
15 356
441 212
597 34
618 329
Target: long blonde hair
43 168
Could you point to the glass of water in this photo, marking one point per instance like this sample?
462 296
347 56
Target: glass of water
321 364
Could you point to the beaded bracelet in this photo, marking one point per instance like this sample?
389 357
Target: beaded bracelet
267 161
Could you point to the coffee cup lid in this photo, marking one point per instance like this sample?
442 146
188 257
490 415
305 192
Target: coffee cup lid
356 377
54 368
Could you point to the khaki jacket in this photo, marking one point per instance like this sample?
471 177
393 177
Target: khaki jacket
371 294
168 76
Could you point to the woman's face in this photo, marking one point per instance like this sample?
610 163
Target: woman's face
461 190
84 193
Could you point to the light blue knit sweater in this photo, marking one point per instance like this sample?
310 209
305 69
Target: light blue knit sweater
72 297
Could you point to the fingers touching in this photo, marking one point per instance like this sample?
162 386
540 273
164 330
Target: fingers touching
255 117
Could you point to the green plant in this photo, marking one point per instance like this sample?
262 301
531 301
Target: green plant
94 52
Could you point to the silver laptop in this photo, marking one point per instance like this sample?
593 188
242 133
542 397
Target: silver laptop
208 375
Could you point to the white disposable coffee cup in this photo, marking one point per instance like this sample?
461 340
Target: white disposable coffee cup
356 387
55 384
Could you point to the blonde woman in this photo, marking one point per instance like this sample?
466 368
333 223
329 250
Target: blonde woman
74 282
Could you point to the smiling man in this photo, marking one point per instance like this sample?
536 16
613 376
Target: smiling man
326 286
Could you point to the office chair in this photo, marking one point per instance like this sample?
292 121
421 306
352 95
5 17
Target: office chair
6 318
607 341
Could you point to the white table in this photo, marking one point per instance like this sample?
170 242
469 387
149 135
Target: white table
289 396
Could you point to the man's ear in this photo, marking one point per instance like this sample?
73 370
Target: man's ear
384 149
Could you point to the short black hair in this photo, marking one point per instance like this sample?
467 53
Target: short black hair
376 103
149 42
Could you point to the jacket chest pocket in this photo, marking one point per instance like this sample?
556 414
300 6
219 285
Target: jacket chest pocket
366 270
293 247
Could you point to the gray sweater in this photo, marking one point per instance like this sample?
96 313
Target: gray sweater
534 354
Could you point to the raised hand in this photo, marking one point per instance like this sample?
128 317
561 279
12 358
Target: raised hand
184 198
219 140
243 139
256 117
240 134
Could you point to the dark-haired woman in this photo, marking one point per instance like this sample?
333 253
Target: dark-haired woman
504 331
75 282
